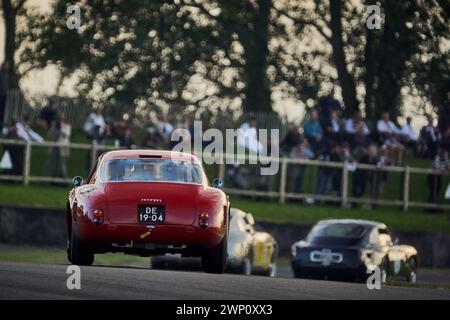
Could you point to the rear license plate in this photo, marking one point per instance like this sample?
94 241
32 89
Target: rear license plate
151 214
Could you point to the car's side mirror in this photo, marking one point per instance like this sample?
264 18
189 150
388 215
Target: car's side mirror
77 181
217 183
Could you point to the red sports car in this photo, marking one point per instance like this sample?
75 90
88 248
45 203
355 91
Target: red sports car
148 202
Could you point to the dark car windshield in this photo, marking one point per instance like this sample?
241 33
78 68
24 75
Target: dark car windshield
337 233
151 170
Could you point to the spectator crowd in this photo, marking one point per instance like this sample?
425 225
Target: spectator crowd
324 135
327 136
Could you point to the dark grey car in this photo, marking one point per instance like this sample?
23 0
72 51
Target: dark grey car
346 249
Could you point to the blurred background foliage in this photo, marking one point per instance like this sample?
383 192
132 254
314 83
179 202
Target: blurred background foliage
235 54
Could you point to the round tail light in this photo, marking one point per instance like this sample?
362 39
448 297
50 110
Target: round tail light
203 220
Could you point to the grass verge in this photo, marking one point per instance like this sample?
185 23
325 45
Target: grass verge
395 219
59 256
415 220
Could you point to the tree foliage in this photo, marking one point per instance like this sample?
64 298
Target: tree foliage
383 61
238 52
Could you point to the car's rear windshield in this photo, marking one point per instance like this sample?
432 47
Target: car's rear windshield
151 170
338 230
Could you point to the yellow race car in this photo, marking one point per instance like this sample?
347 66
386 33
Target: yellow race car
250 251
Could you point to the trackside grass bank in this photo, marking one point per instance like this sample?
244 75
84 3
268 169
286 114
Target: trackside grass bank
42 196
26 254
395 218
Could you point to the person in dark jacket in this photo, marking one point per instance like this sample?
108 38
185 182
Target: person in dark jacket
430 138
333 127
325 105
291 140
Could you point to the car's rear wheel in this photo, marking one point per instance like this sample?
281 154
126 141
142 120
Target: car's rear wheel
155 263
298 274
412 276
272 270
215 259
384 269
159 262
79 253
246 267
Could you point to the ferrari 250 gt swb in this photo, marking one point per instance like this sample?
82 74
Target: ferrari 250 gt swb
148 203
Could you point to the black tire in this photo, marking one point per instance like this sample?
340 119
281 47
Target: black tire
215 259
246 267
298 274
157 265
159 262
384 268
412 276
272 272
78 252
361 278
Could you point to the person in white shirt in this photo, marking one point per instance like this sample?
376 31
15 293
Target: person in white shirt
25 132
96 130
408 135
21 131
386 126
408 131
354 123
59 131
247 137
165 128
95 126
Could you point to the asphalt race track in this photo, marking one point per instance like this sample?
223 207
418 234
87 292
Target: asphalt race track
41 281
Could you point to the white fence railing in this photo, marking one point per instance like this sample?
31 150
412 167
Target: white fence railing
282 194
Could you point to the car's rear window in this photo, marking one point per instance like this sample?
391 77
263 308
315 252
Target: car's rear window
151 170
338 230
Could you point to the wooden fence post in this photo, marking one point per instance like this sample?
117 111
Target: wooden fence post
26 163
93 154
222 169
283 180
344 186
406 179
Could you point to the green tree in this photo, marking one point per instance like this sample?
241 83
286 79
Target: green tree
150 50
430 69
12 10
380 61
124 51
157 52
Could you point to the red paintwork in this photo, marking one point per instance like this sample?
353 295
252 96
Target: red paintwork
119 201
